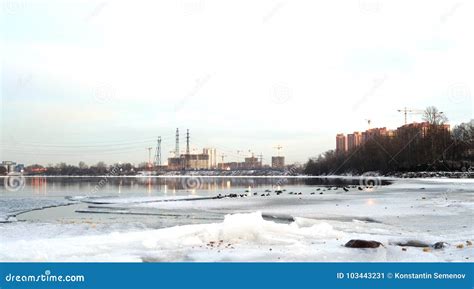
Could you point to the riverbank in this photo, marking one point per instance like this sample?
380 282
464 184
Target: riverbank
294 223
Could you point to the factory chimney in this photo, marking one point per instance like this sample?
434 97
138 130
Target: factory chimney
187 142
176 150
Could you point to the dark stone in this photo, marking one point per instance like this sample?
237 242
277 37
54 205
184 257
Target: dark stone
412 243
362 244
345 189
439 245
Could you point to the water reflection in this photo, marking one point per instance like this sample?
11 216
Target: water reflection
54 186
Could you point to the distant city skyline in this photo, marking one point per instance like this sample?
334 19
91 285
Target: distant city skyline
100 81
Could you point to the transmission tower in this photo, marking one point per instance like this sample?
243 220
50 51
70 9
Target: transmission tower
158 152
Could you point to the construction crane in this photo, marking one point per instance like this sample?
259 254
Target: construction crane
278 147
222 158
240 155
369 121
407 111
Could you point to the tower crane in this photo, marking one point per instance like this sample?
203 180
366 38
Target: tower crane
278 147
407 111
369 121
222 158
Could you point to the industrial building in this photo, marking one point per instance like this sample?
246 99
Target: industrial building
251 163
188 161
12 166
212 153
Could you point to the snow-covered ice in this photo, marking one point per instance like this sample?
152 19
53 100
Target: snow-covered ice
288 227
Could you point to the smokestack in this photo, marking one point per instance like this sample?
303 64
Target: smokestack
187 142
176 150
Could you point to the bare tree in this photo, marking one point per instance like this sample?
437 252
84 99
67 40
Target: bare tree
434 116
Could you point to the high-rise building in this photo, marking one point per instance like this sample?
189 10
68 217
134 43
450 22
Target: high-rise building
278 162
341 143
212 152
252 163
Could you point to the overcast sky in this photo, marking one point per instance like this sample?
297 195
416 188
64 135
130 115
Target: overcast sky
100 80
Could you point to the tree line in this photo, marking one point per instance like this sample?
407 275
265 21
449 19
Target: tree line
82 169
410 150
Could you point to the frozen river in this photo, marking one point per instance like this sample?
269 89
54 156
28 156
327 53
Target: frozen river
236 219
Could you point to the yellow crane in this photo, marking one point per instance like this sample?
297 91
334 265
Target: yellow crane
407 111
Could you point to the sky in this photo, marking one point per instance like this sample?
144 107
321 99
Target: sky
101 80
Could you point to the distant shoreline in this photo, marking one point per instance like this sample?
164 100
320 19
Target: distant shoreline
398 175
